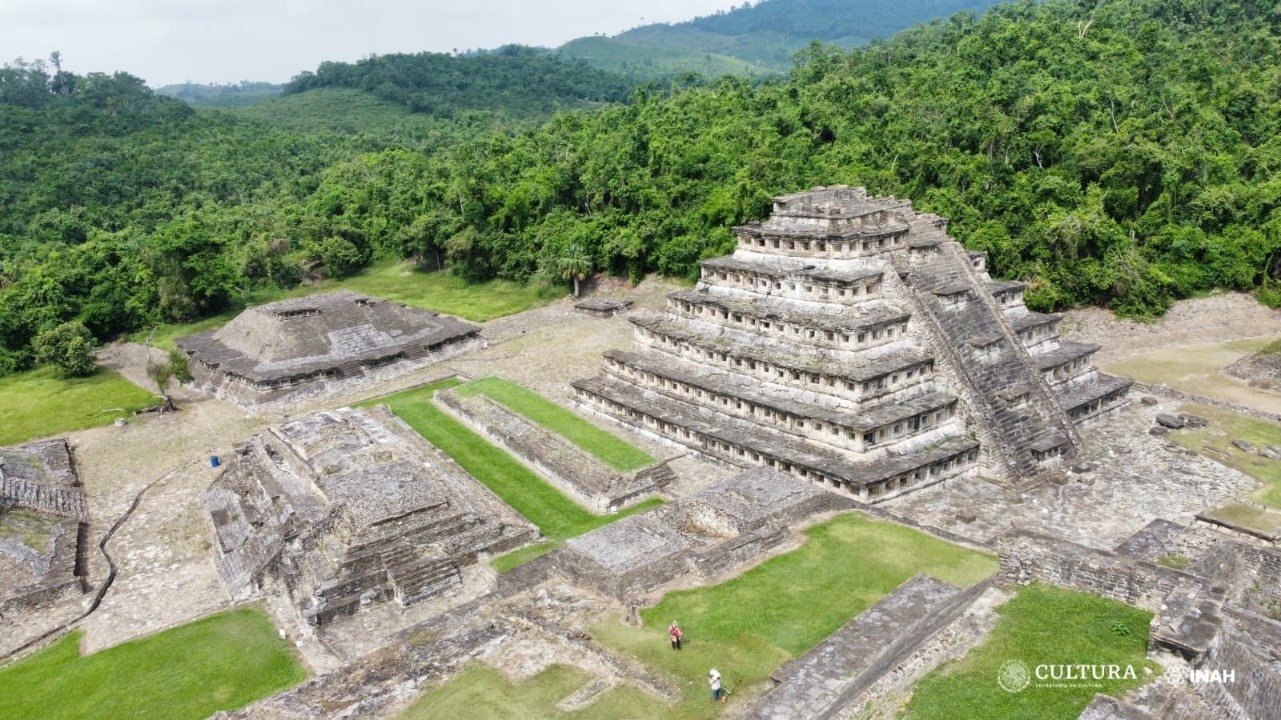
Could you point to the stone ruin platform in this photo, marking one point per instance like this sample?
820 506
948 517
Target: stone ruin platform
1215 612
320 344
43 527
728 523
605 307
577 473
350 507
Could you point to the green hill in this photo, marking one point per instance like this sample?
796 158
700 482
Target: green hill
236 95
520 82
638 59
763 36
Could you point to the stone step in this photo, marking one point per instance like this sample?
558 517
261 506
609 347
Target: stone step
48 499
425 580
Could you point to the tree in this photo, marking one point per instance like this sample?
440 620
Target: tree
69 347
574 264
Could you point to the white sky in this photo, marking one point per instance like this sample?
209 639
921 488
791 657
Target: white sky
173 41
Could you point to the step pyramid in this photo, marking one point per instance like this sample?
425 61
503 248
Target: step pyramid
850 341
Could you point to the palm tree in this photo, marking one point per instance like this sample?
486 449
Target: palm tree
574 264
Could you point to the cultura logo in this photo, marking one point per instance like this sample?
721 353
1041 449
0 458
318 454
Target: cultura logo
1013 676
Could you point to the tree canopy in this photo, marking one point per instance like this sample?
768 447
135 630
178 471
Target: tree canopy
1109 152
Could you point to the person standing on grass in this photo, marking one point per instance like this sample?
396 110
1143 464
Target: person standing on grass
674 632
714 679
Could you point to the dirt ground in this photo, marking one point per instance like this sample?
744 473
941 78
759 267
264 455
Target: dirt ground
1187 348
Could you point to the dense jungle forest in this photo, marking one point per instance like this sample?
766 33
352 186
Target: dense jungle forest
1113 152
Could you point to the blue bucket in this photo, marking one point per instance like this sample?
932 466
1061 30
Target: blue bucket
213 461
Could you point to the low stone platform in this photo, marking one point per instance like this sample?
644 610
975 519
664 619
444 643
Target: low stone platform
726 524
814 684
603 306
43 527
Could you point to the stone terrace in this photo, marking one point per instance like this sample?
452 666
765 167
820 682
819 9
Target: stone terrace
319 344
347 508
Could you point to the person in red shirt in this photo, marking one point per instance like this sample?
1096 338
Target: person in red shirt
674 631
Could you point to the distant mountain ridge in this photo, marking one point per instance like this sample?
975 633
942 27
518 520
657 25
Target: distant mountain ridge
759 38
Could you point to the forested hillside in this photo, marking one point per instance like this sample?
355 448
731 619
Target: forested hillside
1121 153
518 81
230 95
755 38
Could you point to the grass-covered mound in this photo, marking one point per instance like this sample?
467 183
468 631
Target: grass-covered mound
1041 625
222 662
39 404
610 450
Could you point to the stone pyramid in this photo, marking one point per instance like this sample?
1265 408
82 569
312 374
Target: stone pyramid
850 342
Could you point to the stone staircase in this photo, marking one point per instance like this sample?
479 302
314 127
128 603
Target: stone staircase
1025 421
48 499
415 581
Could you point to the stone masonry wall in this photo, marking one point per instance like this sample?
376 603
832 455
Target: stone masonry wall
1027 556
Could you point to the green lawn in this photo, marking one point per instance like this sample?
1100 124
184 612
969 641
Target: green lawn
1041 625
481 692
222 662
1249 516
1215 442
441 292
778 610
38 403
557 516
609 449
746 626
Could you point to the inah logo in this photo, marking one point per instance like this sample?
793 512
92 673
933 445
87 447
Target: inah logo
1013 676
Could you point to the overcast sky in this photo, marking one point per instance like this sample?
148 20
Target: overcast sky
173 41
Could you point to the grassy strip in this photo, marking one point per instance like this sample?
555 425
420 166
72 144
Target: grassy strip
481 692
609 449
520 556
1215 442
441 292
38 403
222 662
1042 625
1248 516
556 516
